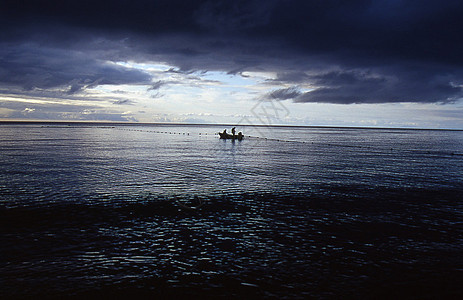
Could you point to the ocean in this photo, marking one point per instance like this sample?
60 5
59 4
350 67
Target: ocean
172 211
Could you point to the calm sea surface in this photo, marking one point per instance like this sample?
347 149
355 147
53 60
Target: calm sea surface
173 211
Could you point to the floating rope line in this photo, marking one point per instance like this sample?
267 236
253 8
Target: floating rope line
371 148
165 132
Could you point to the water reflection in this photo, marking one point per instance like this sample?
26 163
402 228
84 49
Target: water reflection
142 213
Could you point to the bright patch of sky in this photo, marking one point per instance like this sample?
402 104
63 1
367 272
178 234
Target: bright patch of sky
210 96
218 97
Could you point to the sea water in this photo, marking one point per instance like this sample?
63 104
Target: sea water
174 211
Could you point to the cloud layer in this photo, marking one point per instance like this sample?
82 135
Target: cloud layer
376 51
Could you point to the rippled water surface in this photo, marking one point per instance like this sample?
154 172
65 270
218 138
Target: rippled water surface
175 212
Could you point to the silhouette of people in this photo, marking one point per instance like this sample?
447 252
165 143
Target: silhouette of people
224 135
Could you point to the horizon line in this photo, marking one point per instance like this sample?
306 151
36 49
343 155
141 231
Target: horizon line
129 123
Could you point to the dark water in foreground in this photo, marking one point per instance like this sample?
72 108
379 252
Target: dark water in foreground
174 212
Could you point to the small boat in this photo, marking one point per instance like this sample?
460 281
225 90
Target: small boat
226 136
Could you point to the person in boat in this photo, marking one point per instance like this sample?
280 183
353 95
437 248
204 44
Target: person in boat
240 135
233 131
225 132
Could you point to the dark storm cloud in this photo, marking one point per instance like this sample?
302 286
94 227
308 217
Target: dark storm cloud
367 87
29 66
297 76
355 51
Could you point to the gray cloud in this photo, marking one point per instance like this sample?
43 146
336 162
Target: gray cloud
183 78
34 111
284 94
123 102
157 85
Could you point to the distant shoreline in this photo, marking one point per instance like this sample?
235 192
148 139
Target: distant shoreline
109 123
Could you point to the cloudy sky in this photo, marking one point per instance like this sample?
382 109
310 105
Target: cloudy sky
387 63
